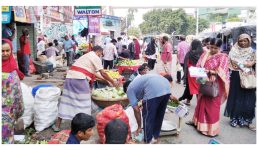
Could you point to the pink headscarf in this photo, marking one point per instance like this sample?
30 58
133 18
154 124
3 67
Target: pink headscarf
10 64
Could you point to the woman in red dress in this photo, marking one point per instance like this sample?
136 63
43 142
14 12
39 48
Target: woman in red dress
191 59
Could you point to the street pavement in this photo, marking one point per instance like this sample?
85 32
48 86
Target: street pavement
187 135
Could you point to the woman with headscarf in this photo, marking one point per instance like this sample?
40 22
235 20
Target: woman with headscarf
151 53
12 102
207 111
241 102
137 49
191 59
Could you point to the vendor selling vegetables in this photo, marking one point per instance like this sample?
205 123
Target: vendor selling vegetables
76 96
154 91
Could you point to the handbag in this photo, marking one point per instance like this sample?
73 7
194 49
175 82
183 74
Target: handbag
209 89
247 80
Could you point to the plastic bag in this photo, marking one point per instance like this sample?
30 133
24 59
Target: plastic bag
179 67
60 137
45 107
28 101
109 113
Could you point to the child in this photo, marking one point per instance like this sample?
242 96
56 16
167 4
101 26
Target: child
116 132
81 128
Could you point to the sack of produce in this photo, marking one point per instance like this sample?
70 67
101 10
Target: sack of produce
115 111
45 107
28 101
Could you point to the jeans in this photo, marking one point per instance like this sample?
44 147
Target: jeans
26 60
69 57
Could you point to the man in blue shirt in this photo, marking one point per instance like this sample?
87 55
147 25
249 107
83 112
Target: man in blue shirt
81 128
154 91
68 48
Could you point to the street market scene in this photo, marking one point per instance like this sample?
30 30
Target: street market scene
128 75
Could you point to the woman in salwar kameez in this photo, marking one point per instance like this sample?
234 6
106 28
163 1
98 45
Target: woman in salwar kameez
12 102
207 112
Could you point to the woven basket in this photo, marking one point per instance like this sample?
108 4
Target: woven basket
103 102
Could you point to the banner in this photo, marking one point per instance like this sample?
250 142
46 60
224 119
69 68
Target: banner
6 14
94 25
19 14
88 11
31 15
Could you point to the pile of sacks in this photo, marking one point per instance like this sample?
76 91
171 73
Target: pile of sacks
40 105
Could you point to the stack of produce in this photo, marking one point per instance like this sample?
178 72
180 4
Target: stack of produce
173 103
127 63
83 46
109 93
113 74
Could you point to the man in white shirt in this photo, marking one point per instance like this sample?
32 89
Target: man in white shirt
40 46
109 52
119 45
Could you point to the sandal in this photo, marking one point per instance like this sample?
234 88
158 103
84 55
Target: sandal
190 123
252 127
56 129
233 123
187 103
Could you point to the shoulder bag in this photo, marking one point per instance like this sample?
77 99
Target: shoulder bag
247 80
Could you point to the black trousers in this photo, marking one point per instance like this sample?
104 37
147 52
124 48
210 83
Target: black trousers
108 63
186 95
151 63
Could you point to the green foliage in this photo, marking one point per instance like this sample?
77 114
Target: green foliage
134 31
168 20
234 19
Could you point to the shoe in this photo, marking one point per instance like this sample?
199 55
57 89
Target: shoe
233 122
190 123
56 129
187 103
28 75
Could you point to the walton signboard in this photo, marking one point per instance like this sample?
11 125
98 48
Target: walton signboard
87 11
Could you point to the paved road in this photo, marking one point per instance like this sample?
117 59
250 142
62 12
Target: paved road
188 134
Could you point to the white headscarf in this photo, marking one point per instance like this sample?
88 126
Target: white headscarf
239 54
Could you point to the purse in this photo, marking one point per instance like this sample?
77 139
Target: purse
209 89
247 80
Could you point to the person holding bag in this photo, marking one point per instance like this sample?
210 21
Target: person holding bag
242 99
207 111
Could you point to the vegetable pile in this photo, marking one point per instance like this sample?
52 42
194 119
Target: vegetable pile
109 93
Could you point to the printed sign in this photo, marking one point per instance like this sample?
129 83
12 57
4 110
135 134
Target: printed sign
88 11
5 8
6 14
94 25
19 14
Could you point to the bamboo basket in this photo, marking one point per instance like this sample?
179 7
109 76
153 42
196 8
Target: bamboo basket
103 102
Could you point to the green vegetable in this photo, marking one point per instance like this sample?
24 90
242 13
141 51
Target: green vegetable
173 103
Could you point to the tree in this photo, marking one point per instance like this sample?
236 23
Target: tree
167 21
130 16
134 31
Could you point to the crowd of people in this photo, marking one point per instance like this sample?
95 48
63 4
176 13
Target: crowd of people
147 93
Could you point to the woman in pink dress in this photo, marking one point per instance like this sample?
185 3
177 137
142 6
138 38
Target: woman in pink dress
207 112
